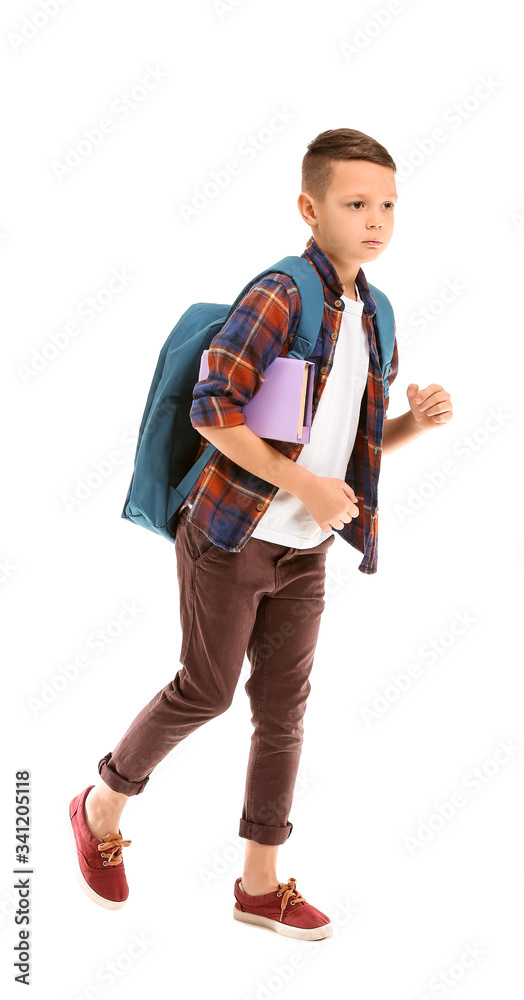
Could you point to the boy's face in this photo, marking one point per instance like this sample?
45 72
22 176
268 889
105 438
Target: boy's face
358 207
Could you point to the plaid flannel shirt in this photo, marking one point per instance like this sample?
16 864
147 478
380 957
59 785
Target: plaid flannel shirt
227 501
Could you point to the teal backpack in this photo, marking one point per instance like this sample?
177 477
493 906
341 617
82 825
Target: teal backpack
165 470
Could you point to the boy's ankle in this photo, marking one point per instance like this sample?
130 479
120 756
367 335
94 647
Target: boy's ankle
258 887
100 819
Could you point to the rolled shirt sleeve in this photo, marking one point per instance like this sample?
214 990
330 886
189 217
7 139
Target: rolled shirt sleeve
254 335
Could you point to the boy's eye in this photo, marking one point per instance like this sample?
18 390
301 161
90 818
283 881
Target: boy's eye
392 204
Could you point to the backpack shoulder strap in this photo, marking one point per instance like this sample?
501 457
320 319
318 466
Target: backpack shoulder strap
385 328
311 293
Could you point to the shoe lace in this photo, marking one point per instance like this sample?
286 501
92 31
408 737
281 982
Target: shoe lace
287 890
109 847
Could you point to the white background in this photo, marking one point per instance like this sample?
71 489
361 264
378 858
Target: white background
450 544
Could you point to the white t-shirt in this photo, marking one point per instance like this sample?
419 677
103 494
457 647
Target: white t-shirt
287 521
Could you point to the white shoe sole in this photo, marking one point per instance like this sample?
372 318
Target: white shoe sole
304 933
108 904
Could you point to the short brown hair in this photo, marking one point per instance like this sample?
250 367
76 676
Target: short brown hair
338 144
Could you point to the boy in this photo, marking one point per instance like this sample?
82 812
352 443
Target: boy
253 534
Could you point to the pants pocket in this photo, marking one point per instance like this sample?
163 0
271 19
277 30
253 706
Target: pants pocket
195 543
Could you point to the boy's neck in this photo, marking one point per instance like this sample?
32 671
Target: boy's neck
348 282
347 277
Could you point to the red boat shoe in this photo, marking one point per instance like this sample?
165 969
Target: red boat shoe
100 870
284 911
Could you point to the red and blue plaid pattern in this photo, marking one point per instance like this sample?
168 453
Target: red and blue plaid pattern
227 500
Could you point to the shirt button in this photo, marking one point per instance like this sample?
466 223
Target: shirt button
338 303
334 336
323 370
260 506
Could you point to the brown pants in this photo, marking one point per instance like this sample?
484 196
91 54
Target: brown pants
266 600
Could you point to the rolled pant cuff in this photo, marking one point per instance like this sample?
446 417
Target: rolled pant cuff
271 835
116 781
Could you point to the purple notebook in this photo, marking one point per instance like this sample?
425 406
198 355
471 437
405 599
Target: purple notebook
282 408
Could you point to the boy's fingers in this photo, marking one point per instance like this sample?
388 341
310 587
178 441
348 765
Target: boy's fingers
436 397
424 394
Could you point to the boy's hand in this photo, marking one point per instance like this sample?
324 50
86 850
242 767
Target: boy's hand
429 406
330 501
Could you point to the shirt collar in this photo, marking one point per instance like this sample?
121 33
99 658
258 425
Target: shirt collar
331 279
